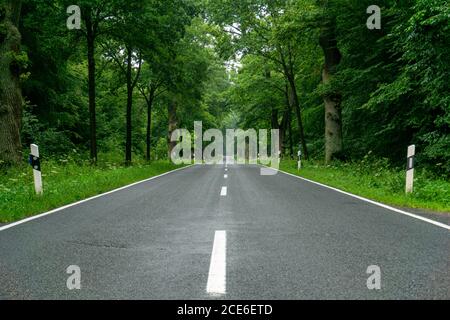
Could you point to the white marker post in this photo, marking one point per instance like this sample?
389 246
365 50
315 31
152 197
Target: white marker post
36 164
299 165
410 169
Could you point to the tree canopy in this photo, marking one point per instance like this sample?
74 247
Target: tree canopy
137 70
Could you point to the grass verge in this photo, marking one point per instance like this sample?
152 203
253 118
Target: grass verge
376 180
66 182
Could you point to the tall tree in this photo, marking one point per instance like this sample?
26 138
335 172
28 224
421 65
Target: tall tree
332 98
187 67
164 23
151 87
95 15
92 24
262 28
11 100
130 63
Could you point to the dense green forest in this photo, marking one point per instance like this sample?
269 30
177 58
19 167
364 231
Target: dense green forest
137 70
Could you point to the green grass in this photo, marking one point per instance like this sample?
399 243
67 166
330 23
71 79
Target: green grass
376 180
66 182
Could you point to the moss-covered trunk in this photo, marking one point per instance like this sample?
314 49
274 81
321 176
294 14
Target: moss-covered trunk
332 99
10 95
91 34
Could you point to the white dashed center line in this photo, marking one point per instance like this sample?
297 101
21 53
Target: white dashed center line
225 176
218 268
223 192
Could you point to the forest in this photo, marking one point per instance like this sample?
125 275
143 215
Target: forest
112 91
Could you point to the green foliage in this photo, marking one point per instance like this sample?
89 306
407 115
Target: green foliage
394 81
162 151
395 87
176 47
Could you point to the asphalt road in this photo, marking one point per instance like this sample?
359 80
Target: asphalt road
279 238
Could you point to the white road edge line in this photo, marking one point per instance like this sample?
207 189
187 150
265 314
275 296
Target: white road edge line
218 268
436 223
223 192
8 226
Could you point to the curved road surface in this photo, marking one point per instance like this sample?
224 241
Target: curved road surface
210 232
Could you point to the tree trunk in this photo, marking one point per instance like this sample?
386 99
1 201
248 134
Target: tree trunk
274 119
294 102
332 100
90 38
173 123
10 94
291 141
283 134
149 121
275 125
288 105
129 107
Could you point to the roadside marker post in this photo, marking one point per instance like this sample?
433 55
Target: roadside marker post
299 165
410 169
36 165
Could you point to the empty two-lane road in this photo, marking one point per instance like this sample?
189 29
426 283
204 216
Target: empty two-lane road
216 232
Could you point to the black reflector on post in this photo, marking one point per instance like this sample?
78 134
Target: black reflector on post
35 162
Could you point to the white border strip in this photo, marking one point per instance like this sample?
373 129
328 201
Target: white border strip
86 200
436 223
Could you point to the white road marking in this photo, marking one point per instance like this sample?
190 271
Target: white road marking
226 170
223 192
415 216
218 267
86 200
225 176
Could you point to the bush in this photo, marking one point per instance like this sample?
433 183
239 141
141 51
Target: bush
162 150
